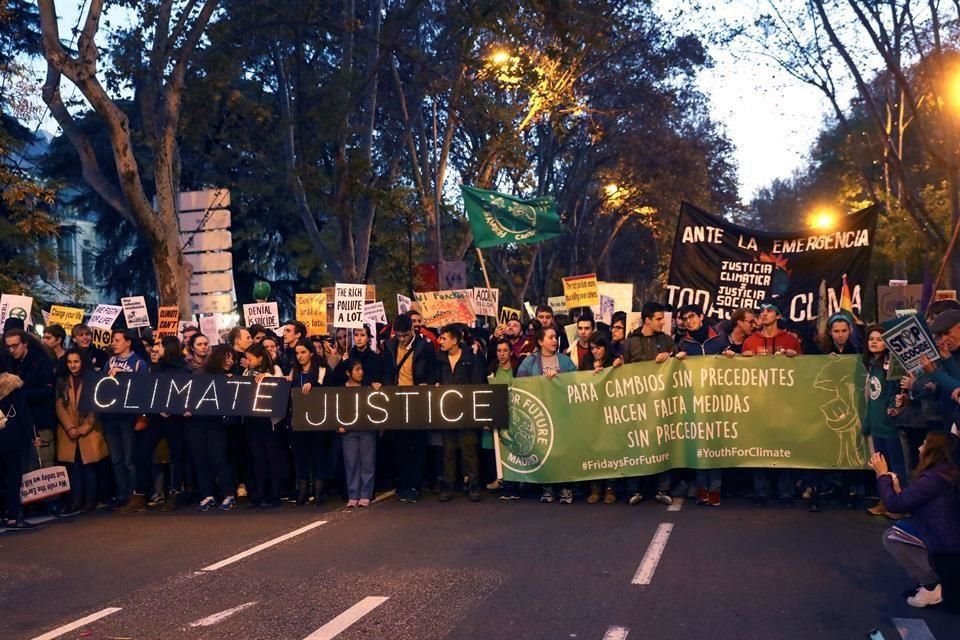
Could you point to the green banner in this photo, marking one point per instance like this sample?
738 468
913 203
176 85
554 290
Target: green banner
697 413
498 218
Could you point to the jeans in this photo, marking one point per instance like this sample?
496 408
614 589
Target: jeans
892 450
464 440
207 440
269 459
161 428
913 559
121 440
761 483
360 463
708 479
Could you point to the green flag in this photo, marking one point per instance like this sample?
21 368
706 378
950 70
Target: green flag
497 218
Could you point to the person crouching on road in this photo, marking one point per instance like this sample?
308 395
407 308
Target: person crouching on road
933 498
359 449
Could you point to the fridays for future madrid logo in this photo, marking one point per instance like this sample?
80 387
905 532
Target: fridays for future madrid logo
530 437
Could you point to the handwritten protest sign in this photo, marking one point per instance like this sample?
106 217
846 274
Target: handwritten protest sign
374 314
581 291
312 312
439 308
348 305
908 340
509 313
262 313
403 304
66 317
559 305
135 312
168 321
486 301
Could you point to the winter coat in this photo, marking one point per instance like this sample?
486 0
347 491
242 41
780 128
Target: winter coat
934 503
93 446
532 365
16 421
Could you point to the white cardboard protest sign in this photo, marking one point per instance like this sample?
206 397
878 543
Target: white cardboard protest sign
348 301
606 309
43 483
559 305
263 313
403 304
14 306
374 314
210 327
908 340
104 316
135 312
486 302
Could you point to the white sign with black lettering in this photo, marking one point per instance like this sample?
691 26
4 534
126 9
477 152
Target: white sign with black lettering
348 301
15 306
43 483
104 316
262 313
374 314
135 312
908 340
486 302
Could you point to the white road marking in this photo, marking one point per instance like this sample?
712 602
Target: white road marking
76 624
343 621
616 633
651 558
223 615
265 545
677 505
913 628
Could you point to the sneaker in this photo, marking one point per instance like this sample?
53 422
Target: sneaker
547 496
926 597
241 490
446 495
702 495
207 503
495 485
509 496
22 525
593 498
713 498
402 495
352 503
156 499
635 499
413 496
609 496
566 496
663 498
363 502
807 493
474 495
229 503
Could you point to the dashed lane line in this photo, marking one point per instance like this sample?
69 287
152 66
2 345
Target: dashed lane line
913 628
616 633
266 545
343 621
211 620
651 558
76 624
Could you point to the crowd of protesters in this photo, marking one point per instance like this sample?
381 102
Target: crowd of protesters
166 462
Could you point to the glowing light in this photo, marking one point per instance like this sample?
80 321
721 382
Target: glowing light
823 220
611 189
500 57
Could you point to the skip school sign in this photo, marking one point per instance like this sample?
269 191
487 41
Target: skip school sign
420 407
177 394
722 266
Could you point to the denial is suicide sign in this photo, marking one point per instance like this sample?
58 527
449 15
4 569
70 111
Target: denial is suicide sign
177 394
419 407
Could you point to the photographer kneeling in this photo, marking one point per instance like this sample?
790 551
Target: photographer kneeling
933 499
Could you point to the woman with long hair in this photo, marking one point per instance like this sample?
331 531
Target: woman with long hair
310 448
80 441
207 437
601 348
547 361
877 423
933 499
197 351
263 438
502 369
359 448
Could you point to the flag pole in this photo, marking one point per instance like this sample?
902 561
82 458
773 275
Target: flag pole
943 266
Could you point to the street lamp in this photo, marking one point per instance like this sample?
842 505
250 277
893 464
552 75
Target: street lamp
823 219
611 189
500 57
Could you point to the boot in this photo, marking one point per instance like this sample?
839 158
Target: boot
302 496
878 509
318 497
135 504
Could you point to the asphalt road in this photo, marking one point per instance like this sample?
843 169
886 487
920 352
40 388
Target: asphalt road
492 570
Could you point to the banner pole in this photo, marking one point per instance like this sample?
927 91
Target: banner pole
943 266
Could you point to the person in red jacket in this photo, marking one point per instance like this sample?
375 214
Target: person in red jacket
771 339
